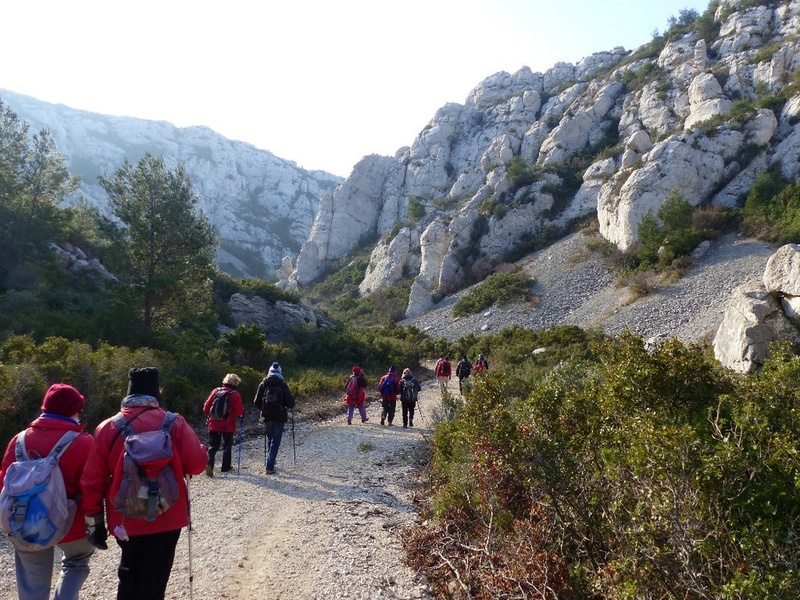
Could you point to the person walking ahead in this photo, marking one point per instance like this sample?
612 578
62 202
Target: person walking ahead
409 389
61 411
221 427
356 394
274 399
148 546
442 372
463 369
388 387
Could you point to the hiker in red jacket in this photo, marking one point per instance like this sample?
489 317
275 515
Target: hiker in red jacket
443 372
61 411
148 547
389 388
220 431
356 399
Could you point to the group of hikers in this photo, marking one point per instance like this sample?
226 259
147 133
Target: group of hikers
61 486
390 387
464 368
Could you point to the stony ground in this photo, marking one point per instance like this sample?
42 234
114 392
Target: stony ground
574 288
328 525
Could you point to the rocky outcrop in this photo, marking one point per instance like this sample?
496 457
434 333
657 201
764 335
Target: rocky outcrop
75 261
261 206
273 318
760 312
629 127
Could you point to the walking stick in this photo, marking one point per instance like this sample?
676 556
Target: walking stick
241 432
189 536
265 446
294 445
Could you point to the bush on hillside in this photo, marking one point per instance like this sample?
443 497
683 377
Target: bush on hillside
497 288
619 474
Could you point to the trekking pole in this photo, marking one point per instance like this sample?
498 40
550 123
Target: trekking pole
265 446
189 535
241 432
294 445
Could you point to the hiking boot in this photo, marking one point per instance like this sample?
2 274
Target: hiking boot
365 419
349 422
390 423
383 421
270 471
404 425
209 470
411 423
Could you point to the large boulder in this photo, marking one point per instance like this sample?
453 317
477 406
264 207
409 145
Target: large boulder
752 320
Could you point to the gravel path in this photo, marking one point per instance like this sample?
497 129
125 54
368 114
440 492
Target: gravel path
327 526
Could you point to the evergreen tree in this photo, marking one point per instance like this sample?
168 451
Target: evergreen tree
168 249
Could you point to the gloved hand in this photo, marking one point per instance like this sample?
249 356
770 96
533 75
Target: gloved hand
96 531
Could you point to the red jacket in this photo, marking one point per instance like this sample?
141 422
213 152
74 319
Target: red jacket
235 410
44 433
440 369
393 396
108 447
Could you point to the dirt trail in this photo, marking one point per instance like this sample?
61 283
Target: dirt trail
327 526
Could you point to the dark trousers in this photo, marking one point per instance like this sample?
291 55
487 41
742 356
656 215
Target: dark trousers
388 410
145 565
408 413
225 439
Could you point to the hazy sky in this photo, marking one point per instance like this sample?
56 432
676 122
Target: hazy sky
319 82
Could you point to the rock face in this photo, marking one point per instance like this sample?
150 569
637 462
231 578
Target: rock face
761 311
629 127
261 206
273 318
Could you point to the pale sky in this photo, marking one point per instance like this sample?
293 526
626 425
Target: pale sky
319 82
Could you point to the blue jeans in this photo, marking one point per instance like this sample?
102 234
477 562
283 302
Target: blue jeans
274 434
35 571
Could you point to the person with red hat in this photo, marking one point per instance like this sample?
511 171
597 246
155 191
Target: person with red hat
358 400
61 410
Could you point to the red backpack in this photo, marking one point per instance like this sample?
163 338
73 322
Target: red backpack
351 390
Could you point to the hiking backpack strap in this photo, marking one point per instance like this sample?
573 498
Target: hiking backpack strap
153 490
21 454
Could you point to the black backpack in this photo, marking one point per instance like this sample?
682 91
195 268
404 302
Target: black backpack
272 404
407 391
220 406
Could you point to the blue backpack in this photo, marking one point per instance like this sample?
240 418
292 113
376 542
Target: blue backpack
34 509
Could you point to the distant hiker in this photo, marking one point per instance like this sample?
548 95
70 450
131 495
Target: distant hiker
223 406
409 390
442 372
58 422
274 399
388 387
481 364
355 395
463 369
147 542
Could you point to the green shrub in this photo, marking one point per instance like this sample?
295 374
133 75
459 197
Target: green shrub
650 474
497 288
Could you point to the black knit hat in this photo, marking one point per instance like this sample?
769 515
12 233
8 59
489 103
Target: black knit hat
143 381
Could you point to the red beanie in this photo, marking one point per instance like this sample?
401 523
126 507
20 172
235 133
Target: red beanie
63 399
